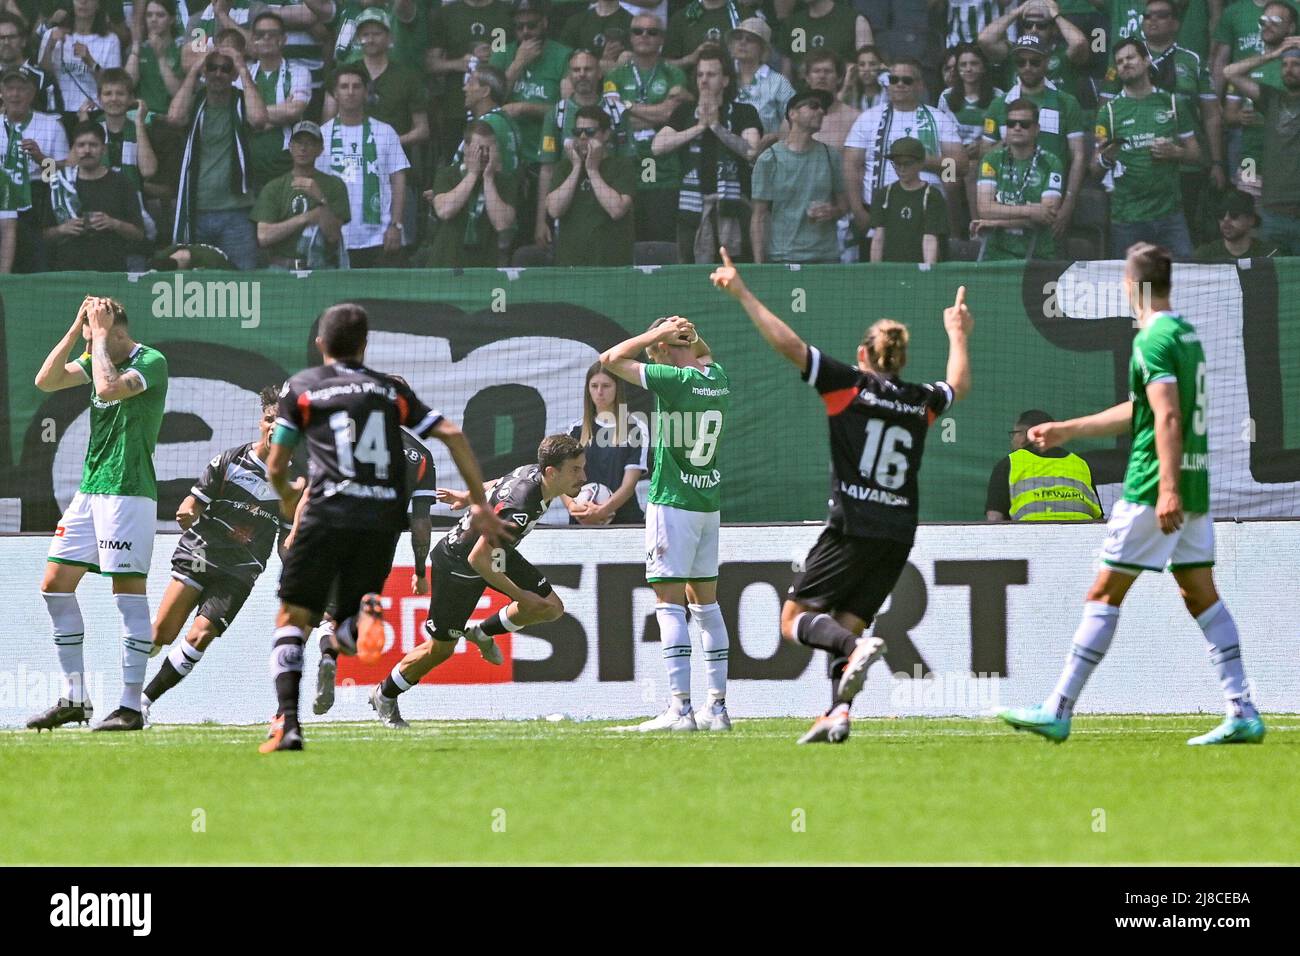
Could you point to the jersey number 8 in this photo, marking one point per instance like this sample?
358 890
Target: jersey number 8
706 442
891 465
371 447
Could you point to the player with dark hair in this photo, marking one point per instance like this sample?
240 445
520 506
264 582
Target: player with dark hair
465 564
878 429
351 418
422 486
230 519
109 525
1163 519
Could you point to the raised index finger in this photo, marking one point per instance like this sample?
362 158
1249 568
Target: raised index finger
726 259
958 302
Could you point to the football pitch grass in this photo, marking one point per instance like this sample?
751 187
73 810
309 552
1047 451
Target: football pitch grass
1120 790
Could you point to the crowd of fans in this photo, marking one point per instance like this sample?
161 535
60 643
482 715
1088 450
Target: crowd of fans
389 133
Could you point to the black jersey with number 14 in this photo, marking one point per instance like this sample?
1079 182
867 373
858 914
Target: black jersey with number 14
352 417
878 428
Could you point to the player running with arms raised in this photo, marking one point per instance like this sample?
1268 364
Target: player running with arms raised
230 519
683 513
878 429
465 564
109 525
1163 519
350 417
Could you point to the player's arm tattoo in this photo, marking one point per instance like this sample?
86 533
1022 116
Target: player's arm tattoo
109 383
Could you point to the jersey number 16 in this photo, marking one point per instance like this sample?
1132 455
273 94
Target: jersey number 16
881 454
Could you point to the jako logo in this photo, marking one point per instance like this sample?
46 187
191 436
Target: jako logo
103 909
180 299
110 545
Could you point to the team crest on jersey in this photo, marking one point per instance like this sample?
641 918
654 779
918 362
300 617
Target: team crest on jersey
1163 116
412 455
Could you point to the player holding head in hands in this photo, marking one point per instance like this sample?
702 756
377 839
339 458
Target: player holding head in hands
351 418
109 525
1163 519
683 512
466 563
878 428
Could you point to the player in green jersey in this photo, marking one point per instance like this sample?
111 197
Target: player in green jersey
109 526
683 513
1163 519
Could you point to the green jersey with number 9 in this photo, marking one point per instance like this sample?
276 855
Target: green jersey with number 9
690 414
1169 350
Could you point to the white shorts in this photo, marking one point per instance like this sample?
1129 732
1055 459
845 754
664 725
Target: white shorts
1135 543
680 545
110 534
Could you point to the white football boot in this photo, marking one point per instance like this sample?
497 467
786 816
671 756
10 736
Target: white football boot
670 720
486 644
713 716
389 714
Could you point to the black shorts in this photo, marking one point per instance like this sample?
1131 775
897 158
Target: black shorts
220 595
843 573
453 597
357 559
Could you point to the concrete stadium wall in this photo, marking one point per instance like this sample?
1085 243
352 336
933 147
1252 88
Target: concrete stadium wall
999 602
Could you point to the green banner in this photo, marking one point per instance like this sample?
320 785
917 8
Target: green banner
504 352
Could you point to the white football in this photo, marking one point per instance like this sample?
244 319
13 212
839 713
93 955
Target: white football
595 493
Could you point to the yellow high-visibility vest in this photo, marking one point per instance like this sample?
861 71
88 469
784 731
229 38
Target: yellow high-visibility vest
1051 489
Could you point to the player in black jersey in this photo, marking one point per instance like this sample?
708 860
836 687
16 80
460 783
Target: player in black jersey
422 484
231 518
464 565
878 428
351 418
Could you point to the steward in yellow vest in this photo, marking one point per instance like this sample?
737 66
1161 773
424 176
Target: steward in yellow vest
1028 485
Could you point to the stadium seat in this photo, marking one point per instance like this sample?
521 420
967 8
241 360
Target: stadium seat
963 250
655 254
1092 217
526 257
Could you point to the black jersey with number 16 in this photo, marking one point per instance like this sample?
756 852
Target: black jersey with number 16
352 418
878 428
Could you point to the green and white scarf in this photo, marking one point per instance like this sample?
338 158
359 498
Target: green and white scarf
347 170
17 184
268 82
63 195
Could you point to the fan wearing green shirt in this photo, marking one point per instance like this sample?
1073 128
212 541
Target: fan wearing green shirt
1142 136
1177 70
1066 47
592 203
461 37
1060 121
650 89
821 25
300 214
485 94
475 204
109 525
1163 520
534 67
1246 125
1019 192
558 130
698 24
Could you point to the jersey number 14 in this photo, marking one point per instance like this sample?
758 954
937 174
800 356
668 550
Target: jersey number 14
371 448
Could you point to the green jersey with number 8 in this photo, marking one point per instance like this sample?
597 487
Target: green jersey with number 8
690 414
1169 350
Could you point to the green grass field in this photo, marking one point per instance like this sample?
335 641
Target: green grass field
899 791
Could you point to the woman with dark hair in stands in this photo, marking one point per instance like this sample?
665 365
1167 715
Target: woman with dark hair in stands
966 101
616 449
75 51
